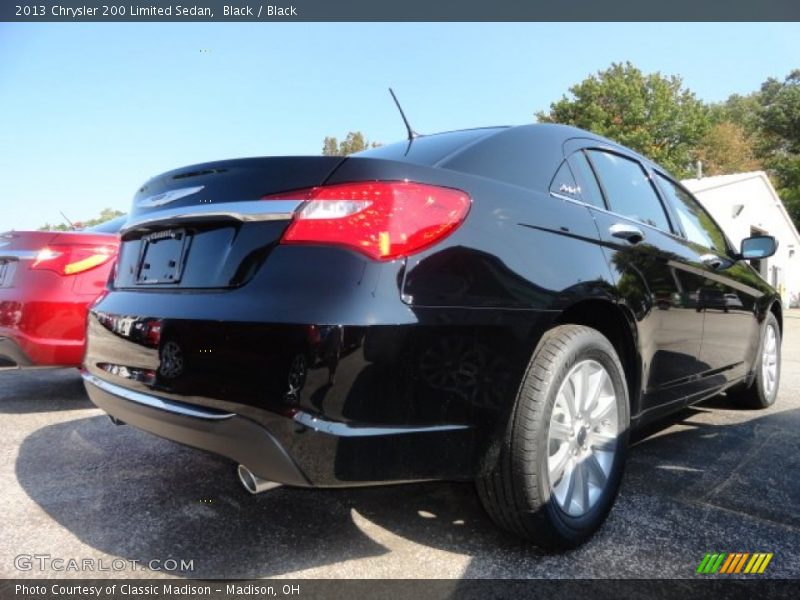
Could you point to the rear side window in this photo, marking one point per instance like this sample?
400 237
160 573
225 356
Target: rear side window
590 191
628 189
697 223
574 179
564 183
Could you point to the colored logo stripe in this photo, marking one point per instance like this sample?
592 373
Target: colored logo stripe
737 563
758 563
733 563
727 564
711 563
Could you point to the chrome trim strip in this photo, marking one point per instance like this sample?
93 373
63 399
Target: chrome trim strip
18 254
247 210
709 274
573 200
155 402
345 430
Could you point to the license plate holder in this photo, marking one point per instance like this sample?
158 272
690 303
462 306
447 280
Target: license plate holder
162 256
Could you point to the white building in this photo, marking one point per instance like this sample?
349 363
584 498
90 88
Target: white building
746 204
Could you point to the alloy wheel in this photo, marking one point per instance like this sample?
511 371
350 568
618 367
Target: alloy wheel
582 438
769 361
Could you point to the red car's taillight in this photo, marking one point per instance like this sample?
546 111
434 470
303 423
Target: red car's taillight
382 219
72 259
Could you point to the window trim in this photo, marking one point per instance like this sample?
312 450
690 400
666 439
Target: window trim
603 196
600 185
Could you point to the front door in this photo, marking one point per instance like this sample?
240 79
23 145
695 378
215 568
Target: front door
728 293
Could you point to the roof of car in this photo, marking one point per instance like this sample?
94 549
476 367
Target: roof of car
542 133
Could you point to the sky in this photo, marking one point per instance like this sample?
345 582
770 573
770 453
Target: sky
89 112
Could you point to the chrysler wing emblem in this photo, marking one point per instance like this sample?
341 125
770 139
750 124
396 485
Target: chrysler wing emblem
167 197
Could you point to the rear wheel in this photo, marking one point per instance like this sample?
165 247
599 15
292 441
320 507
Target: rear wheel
560 463
763 389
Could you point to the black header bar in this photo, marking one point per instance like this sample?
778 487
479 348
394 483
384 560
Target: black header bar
399 10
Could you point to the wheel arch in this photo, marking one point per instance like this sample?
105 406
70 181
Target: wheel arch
617 324
777 310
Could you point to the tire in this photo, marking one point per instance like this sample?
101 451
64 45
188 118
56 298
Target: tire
763 389
515 486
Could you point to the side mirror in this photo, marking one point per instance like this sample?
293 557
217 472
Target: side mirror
758 246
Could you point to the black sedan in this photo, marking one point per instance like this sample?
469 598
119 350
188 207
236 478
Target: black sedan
500 305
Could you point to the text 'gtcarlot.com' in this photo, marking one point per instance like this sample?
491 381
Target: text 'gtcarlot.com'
47 562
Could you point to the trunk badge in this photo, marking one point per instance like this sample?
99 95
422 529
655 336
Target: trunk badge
167 197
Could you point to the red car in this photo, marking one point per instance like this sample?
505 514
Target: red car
48 280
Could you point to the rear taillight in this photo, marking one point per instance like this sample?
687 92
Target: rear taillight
382 219
72 259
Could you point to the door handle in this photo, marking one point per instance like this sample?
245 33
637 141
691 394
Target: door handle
712 260
629 233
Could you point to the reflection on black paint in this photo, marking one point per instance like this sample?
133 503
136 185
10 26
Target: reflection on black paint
461 276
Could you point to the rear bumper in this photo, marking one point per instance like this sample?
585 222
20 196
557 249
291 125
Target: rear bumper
10 350
226 434
299 449
45 320
29 351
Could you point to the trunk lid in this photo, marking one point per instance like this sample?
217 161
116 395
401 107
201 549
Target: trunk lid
19 250
238 180
13 242
19 247
205 226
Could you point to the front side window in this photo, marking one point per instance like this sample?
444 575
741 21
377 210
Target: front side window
696 222
628 189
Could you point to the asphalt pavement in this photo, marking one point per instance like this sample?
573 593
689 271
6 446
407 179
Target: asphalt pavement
77 487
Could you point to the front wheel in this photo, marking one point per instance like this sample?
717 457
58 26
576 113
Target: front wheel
560 464
763 389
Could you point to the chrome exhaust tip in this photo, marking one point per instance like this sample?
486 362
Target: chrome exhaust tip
252 482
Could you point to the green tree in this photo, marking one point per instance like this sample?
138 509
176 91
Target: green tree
727 148
650 113
770 121
330 147
354 142
741 110
779 123
58 227
105 215
780 113
785 173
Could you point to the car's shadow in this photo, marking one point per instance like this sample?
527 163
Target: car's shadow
27 391
687 488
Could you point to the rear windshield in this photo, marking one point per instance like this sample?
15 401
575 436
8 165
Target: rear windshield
112 226
429 149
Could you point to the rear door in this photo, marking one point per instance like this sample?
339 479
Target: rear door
657 274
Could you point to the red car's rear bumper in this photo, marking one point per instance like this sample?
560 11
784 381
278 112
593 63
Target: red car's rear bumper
43 321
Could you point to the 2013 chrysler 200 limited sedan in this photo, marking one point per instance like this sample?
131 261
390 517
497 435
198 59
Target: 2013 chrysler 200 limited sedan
500 305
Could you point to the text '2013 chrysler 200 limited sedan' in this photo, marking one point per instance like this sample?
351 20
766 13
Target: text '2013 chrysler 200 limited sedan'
500 305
